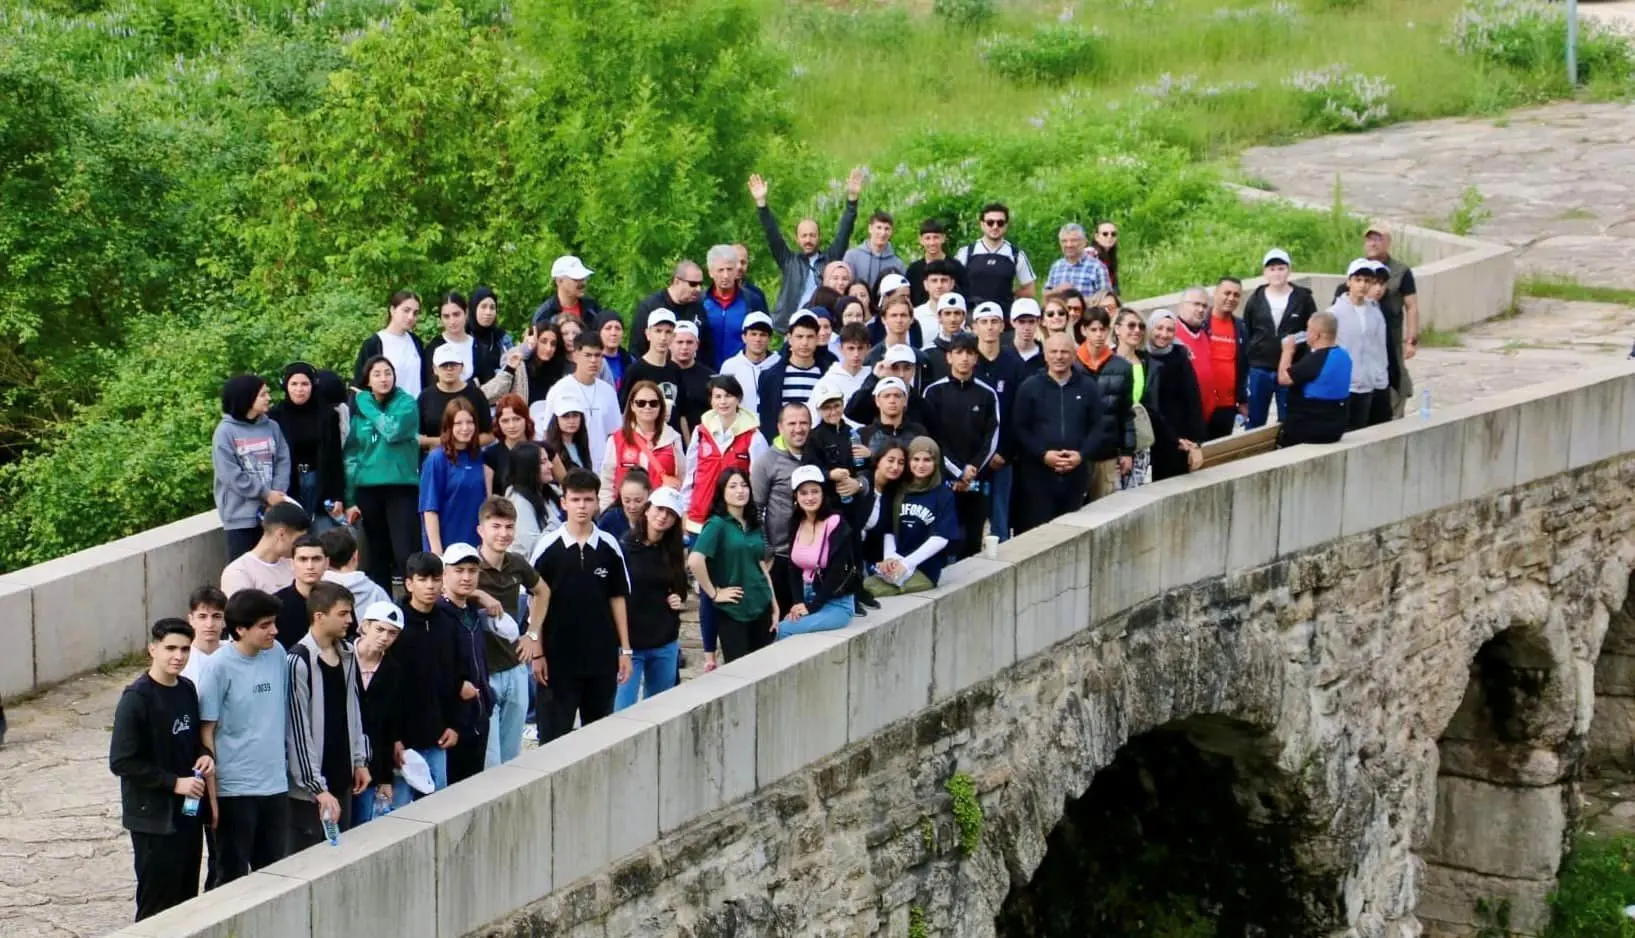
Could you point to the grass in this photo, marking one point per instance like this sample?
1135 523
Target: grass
1430 337
1566 288
1597 880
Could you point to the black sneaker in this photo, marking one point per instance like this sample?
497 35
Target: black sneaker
864 599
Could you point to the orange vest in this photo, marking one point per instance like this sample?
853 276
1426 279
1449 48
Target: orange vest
659 464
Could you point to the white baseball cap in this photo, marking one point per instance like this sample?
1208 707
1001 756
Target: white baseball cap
892 282
567 404
805 474
446 355
1026 307
822 394
666 497
382 610
1361 265
887 385
951 301
687 326
571 267
1276 256
460 553
756 319
660 317
803 315
900 355
416 772
988 310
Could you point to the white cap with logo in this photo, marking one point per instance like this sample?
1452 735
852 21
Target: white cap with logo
666 497
382 610
888 385
891 283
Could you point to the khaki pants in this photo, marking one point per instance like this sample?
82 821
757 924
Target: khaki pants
1104 478
1400 398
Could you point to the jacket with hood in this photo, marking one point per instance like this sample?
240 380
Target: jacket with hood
365 592
432 659
304 731
151 747
716 446
1116 378
1265 341
868 267
250 457
382 442
795 267
769 481
313 433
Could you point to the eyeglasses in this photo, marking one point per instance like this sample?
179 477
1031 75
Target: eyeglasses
1055 312
645 403
695 284
995 222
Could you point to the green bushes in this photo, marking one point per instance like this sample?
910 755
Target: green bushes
963 13
1051 53
1531 36
1596 882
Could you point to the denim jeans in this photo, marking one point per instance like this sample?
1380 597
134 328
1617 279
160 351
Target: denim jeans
999 503
363 805
1263 389
437 761
510 689
652 671
834 614
706 623
306 492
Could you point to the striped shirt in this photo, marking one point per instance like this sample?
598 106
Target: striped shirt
799 382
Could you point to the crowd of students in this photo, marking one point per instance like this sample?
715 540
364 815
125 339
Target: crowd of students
478 531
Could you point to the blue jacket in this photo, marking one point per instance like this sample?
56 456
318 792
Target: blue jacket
1005 375
725 325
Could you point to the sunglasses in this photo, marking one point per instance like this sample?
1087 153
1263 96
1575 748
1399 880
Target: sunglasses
645 403
1108 234
695 284
995 222
1055 312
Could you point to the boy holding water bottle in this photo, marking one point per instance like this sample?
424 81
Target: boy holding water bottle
161 762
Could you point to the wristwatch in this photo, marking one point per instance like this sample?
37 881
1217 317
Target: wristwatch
625 652
533 636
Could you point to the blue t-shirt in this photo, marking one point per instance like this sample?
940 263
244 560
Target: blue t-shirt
455 491
925 515
1323 375
246 697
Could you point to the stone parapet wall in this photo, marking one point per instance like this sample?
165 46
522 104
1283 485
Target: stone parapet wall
1333 597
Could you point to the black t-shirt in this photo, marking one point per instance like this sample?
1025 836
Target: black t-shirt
434 400
668 377
497 457
580 638
292 618
695 393
337 754
178 708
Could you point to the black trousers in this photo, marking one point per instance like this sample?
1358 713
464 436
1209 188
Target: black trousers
167 867
738 638
1221 422
241 541
306 828
253 833
1365 410
972 510
780 584
466 758
587 696
391 529
1042 494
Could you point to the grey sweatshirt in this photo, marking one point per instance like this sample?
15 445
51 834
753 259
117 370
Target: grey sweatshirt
304 730
769 478
1362 333
250 459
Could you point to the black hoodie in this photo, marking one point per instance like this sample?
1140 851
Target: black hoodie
433 668
313 432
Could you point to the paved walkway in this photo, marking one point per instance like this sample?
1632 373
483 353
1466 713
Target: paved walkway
64 862
1556 179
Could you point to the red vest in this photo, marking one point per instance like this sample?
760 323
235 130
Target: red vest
660 464
712 462
1203 363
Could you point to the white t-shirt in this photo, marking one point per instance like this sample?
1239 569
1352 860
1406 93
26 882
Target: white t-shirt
598 402
1279 305
400 351
926 315
196 661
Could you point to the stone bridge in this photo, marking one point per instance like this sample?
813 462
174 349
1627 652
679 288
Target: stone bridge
1343 690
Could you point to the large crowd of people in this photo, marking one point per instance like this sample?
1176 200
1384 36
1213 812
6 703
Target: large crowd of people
499 527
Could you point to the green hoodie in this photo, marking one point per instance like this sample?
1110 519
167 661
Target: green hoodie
382 443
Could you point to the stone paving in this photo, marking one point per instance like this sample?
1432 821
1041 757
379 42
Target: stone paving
1557 180
65 867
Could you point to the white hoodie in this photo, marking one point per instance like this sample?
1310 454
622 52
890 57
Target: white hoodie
364 590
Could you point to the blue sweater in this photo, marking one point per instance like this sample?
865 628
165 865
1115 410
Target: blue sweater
922 516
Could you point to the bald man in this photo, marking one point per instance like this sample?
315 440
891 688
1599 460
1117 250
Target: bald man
802 268
682 296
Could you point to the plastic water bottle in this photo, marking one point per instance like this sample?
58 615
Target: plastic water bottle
383 804
190 804
332 830
1425 404
857 440
1240 423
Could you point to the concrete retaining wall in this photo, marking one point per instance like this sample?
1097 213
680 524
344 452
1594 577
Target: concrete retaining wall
463 858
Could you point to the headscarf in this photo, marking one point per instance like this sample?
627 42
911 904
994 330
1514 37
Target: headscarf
481 333
1153 320
238 395
303 424
911 485
329 387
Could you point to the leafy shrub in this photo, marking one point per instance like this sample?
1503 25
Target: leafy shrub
964 14
1597 881
1531 36
1334 98
1051 53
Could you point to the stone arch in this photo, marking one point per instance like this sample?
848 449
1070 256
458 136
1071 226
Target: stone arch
1505 788
1611 743
1192 822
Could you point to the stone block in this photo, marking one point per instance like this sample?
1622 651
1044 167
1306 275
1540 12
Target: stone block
1374 474
1194 529
1448 896
1124 551
17 637
974 630
1490 453
260 905
706 733
1433 466
1597 415
1543 435
382 872
1615 675
493 835
1612 733
604 793
1311 499
1052 565
800 701
1626 427
890 673
1254 517
76 627
181 557
1515 833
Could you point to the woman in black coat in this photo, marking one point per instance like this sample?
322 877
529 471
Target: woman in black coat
312 428
1172 399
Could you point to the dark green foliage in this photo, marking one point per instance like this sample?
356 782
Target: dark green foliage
1596 882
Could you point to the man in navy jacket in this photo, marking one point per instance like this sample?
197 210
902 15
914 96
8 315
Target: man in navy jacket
1058 432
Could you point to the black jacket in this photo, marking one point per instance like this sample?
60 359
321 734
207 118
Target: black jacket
839 563
695 393
830 448
861 410
149 755
1052 415
434 666
653 624
877 436
1175 408
371 347
963 417
769 391
383 703
1117 381
590 311
692 312
1265 338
